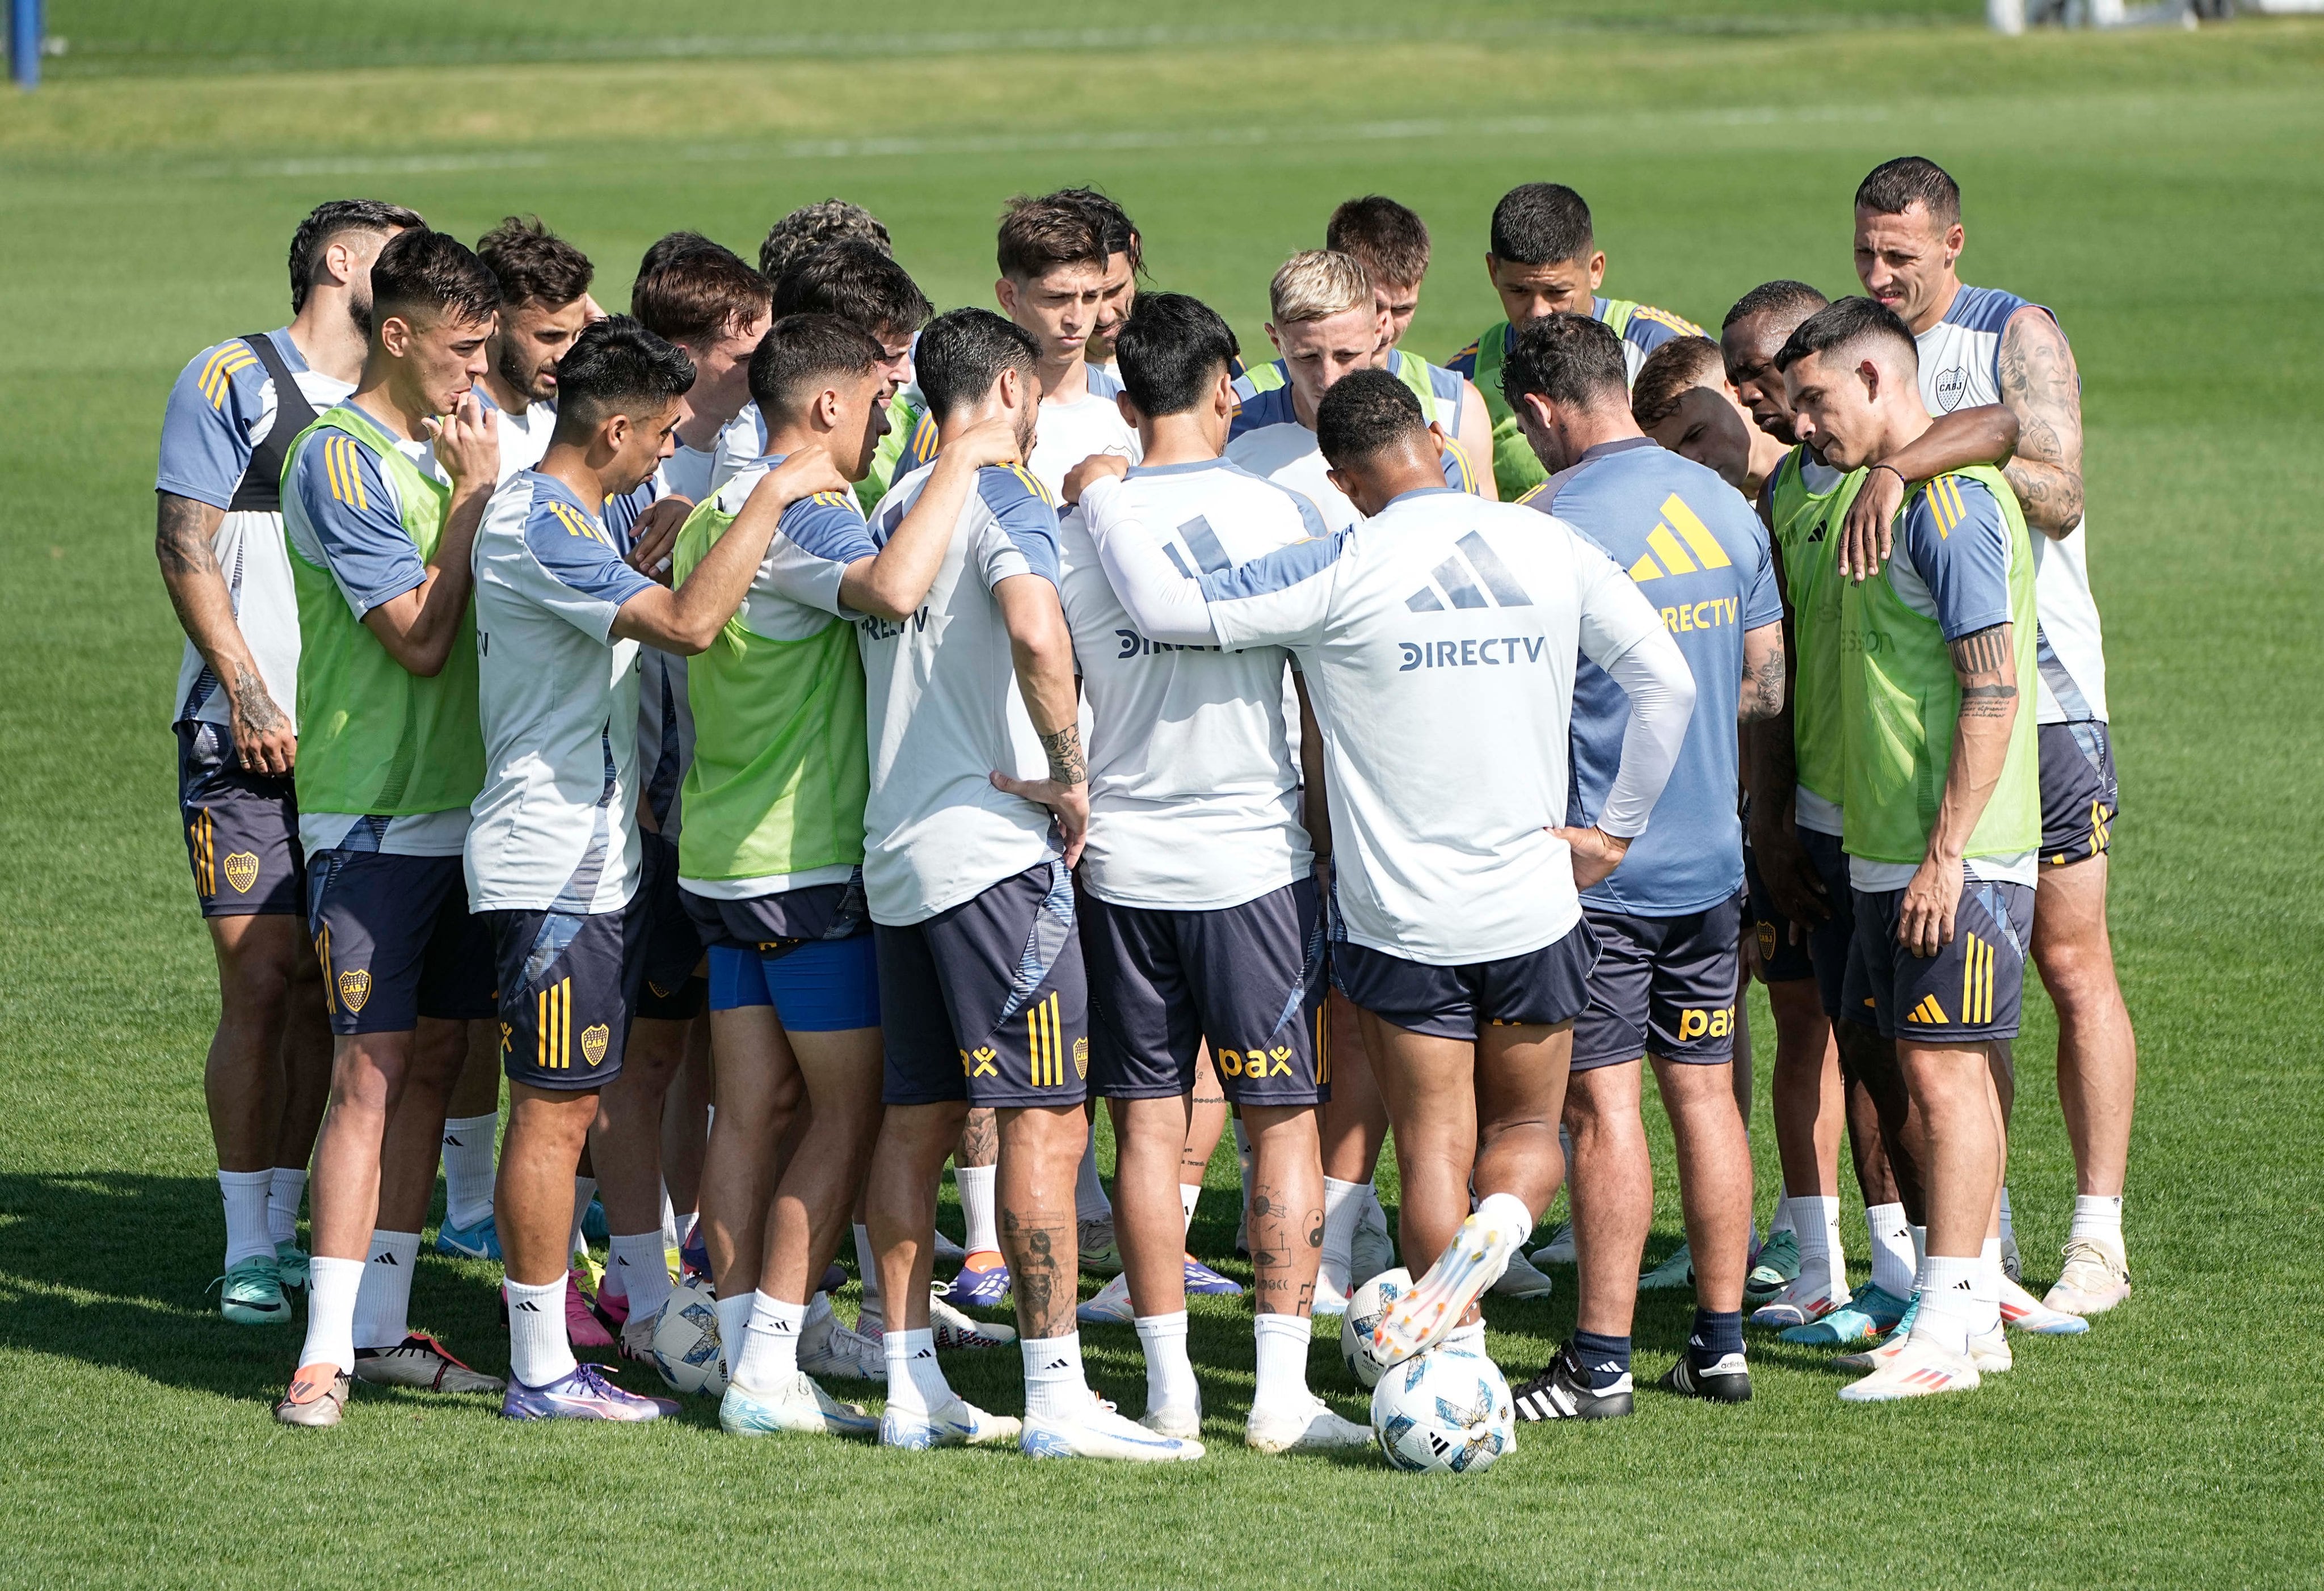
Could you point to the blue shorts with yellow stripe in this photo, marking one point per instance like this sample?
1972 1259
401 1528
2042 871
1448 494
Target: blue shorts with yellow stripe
987 1001
568 986
1968 992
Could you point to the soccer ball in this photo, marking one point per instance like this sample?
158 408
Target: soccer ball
1371 1301
1447 1410
685 1346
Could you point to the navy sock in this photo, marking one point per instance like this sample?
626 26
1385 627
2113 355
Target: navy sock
1604 1360
1717 1333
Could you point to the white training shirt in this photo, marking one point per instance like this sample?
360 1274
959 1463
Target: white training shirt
1071 432
742 442
555 827
523 438
939 683
1438 640
665 714
1960 367
1194 801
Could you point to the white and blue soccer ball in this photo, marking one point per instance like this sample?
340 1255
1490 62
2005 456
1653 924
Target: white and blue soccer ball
685 1346
1365 1305
1447 1412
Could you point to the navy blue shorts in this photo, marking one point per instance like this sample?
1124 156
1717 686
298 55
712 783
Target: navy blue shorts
807 952
1664 986
242 829
2080 797
673 990
987 1001
396 941
1782 959
1968 992
1541 987
1830 941
568 986
1248 978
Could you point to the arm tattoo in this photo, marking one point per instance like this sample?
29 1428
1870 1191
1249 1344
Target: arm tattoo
181 539
1763 686
1067 763
2041 387
1986 664
258 713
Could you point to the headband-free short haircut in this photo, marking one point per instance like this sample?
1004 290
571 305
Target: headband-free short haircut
963 352
1894 187
1792 300
812 226
1115 229
1039 235
1316 285
662 250
1670 373
1569 359
1365 414
432 273
330 221
801 355
1844 323
698 291
857 282
1542 223
1389 241
532 264
1172 350
616 366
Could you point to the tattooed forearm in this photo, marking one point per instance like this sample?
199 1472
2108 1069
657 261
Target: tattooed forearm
259 714
1986 664
1067 763
1763 675
2040 386
181 536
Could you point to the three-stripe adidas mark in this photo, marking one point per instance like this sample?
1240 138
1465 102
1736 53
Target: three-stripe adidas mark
1678 523
1456 584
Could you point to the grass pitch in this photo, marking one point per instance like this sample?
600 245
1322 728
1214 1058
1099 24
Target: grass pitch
2162 190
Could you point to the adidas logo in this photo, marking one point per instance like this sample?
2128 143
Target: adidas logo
1929 1013
1054 1365
1665 556
383 1258
526 1308
1459 582
452 1142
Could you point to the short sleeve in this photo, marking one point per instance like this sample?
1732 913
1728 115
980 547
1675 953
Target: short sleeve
1958 542
1282 599
1763 597
817 537
582 578
622 513
344 495
206 428
1020 537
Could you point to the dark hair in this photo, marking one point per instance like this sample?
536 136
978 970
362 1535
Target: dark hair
1896 186
1172 348
1364 414
616 366
1389 241
1038 234
810 227
857 282
1669 373
804 352
1573 359
433 272
533 264
1541 224
963 352
1783 296
326 223
1115 229
1838 324
696 293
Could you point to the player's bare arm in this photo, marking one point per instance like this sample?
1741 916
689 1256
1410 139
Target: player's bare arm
418 628
1765 669
1985 663
1475 435
1042 649
894 583
2040 385
262 738
686 618
1987 434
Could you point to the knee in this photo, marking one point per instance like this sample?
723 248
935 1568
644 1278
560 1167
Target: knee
2077 971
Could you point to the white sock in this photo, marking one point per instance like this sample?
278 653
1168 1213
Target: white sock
769 1355
2098 1218
915 1382
1169 1373
643 1266
1783 1221
2008 1230
247 1235
287 1185
468 1168
1090 1202
1989 1277
383 1306
1816 1222
1344 1206
1282 1342
867 1261
1190 1194
1469 1339
1894 1266
331 1289
539 1350
585 1189
975 1184
1054 1387
733 1320
1949 1309
1505 1213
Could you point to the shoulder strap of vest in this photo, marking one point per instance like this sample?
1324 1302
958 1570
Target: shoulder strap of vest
260 490
1617 314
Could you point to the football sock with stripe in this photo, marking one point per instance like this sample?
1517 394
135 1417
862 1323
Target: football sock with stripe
245 1194
2098 1218
332 1286
915 1382
769 1355
1717 1333
1783 1221
1947 1301
975 1184
733 1320
1344 1206
1604 1360
642 1264
1054 1387
867 1265
1893 1262
1815 1223
383 1304
468 1168
539 1350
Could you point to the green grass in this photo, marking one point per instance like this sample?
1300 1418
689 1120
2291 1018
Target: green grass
2162 191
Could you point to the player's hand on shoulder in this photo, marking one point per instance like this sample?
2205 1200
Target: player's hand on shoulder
655 534
1865 540
802 475
467 445
1091 470
990 441
1596 854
